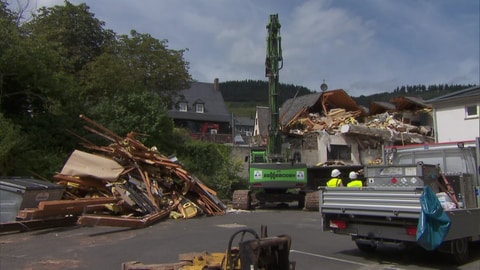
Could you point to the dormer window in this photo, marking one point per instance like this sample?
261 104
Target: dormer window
199 108
182 106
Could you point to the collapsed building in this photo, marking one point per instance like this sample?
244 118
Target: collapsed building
330 128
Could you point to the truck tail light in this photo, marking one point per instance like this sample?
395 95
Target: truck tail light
257 185
394 180
338 224
411 230
299 184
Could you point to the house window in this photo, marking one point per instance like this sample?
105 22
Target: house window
199 108
471 111
339 152
182 106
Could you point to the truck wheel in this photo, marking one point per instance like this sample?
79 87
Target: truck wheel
301 200
366 247
460 250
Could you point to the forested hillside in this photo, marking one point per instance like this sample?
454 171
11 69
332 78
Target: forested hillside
243 96
257 91
425 92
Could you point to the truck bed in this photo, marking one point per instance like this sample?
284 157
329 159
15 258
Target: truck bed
385 212
400 202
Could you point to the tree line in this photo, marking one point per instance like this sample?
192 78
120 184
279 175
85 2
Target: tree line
256 91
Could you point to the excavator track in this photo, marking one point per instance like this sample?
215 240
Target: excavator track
242 199
312 201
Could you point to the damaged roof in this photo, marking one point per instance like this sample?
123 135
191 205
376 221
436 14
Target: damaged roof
292 106
401 103
378 107
404 103
318 102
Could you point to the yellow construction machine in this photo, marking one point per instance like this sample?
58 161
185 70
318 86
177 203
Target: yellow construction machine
250 253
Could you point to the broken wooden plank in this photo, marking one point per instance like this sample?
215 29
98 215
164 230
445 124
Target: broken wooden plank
115 221
61 208
30 225
164 266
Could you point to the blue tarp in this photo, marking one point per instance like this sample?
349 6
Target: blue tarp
433 224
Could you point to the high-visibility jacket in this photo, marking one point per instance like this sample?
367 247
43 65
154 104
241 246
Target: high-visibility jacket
334 182
355 183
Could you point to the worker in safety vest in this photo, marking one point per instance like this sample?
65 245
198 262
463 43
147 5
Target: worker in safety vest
335 181
354 182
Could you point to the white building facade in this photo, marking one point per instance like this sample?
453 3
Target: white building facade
457 115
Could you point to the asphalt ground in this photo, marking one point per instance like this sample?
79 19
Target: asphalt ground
77 247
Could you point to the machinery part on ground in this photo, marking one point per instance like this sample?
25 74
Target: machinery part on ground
232 258
260 252
252 252
242 199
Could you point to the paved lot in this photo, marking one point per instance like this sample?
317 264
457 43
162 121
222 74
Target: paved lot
108 248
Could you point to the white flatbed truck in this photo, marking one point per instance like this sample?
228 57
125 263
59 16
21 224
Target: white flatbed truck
387 209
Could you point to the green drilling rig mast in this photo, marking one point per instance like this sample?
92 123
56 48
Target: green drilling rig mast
275 174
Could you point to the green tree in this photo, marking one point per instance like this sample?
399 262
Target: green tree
73 31
212 163
11 139
131 85
37 93
137 63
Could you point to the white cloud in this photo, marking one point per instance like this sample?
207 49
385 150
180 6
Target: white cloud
362 46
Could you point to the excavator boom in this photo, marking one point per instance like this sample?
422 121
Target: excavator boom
273 64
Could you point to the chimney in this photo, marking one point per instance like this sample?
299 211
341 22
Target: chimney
216 87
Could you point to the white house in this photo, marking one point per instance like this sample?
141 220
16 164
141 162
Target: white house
457 115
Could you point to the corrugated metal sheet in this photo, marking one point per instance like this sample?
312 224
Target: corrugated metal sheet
380 202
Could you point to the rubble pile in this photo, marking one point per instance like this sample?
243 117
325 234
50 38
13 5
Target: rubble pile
126 184
392 121
388 126
304 122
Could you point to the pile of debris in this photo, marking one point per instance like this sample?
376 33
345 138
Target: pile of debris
386 126
126 184
392 121
304 122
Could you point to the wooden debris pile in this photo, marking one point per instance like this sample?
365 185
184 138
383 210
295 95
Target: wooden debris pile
126 184
387 126
304 122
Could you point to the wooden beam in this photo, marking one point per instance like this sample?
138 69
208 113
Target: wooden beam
113 221
29 225
61 208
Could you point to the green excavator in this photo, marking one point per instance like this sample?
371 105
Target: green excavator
276 173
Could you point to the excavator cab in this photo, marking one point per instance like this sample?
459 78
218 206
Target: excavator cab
259 156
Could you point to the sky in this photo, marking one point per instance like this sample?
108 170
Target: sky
361 46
